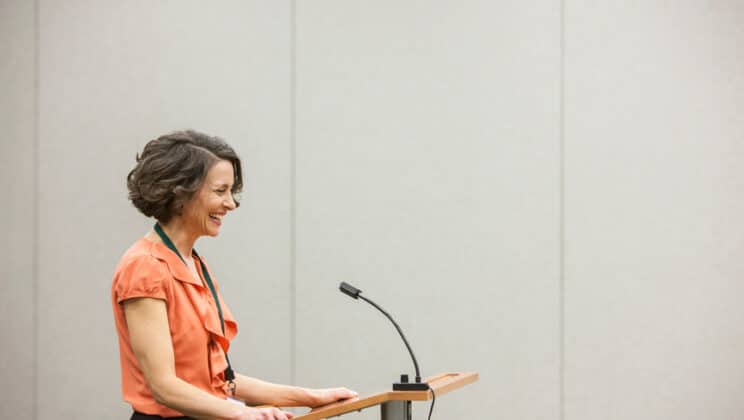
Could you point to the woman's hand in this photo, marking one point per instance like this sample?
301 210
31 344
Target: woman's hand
320 397
266 413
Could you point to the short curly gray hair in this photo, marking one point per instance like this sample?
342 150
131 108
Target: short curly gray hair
172 167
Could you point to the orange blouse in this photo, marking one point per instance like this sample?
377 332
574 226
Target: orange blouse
150 269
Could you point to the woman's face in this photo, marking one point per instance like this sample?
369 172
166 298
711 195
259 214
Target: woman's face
204 212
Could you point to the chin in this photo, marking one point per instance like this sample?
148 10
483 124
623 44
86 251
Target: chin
212 231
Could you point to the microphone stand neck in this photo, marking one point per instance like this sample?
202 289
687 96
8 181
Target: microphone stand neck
403 385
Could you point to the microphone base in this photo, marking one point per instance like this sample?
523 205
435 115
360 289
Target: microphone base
410 386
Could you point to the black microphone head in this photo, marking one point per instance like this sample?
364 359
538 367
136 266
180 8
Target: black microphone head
349 290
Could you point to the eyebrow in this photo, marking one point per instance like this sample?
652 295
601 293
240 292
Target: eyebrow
221 185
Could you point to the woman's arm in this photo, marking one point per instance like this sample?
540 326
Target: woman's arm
256 392
149 333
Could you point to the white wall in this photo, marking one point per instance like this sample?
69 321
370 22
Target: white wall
113 75
654 234
428 176
18 181
544 192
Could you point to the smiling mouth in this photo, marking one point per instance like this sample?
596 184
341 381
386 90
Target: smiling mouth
216 219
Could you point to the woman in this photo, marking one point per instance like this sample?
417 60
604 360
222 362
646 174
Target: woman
173 325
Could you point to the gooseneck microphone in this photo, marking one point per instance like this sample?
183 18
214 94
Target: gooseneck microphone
403 385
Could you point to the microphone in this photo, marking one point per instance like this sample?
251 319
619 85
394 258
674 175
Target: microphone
404 384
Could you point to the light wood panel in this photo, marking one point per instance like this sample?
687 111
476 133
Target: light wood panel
440 384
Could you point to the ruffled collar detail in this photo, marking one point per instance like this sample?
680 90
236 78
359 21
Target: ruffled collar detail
219 342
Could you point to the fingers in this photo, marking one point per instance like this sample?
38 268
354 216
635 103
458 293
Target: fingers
282 415
344 393
277 414
325 396
269 413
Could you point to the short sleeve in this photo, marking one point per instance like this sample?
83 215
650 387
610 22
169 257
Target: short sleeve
141 276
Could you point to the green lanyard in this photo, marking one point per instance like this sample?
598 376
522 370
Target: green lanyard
229 374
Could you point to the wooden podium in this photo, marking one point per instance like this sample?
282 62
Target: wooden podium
395 405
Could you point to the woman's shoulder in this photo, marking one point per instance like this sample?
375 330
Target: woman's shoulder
141 257
140 273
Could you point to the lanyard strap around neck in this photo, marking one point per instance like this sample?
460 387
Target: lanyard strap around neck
229 374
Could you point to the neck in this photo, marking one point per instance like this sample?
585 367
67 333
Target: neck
181 237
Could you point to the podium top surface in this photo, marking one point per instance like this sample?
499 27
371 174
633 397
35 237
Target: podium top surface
441 384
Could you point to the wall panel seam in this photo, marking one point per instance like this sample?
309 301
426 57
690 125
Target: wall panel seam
35 214
293 192
562 215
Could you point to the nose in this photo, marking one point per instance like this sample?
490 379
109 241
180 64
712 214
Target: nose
229 202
